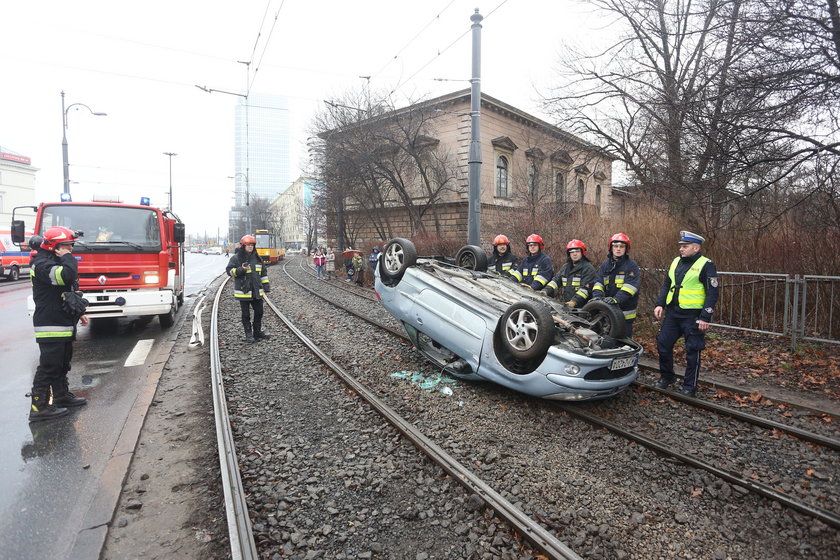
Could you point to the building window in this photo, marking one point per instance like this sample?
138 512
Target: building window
581 191
502 177
598 197
533 177
560 188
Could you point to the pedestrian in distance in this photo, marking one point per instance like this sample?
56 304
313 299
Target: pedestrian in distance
58 308
359 269
319 259
617 281
687 301
502 260
330 263
573 282
250 284
536 269
374 257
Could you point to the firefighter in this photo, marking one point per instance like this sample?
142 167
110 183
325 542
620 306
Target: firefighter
617 280
502 260
250 283
575 278
687 300
54 272
536 269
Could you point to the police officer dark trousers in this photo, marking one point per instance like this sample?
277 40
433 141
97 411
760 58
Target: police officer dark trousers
687 300
54 273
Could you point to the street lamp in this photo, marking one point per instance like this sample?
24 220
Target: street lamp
247 199
64 137
170 154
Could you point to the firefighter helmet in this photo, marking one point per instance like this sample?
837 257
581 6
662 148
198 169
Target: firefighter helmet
56 236
620 238
247 239
501 239
534 238
576 244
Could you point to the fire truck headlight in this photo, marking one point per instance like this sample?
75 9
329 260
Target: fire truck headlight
151 278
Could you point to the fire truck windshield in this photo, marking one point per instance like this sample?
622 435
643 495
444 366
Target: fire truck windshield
106 228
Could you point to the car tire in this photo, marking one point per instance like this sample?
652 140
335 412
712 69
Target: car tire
471 257
398 255
606 319
527 330
14 274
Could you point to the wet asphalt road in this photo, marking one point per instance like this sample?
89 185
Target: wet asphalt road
55 475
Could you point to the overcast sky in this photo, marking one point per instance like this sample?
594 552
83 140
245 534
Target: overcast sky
139 62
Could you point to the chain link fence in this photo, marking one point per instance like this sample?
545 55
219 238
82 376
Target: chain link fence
801 307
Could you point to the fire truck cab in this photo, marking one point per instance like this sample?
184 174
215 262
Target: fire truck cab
131 257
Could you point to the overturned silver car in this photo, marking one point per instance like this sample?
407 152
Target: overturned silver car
477 325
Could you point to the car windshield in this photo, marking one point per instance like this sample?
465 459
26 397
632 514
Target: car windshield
106 228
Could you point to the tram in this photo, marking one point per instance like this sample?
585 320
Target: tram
269 248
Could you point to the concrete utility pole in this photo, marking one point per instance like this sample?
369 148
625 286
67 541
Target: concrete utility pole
474 170
170 154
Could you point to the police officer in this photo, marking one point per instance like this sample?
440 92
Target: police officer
249 286
573 282
54 272
617 280
536 269
687 300
502 260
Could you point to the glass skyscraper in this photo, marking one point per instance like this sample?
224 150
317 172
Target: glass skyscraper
262 150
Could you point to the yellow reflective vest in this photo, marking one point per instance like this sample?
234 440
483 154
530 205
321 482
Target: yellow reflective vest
692 291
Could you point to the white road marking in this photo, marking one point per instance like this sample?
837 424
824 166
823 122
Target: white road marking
138 355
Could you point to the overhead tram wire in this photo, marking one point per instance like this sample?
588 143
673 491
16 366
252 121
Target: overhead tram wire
449 46
265 45
396 56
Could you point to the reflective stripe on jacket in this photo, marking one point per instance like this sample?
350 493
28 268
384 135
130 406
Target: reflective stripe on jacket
534 270
251 284
619 278
51 276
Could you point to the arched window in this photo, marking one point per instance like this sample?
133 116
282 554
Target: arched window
502 177
598 197
559 188
581 191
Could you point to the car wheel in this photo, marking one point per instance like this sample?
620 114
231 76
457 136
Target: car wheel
471 257
14 274
398 255
606 319
527 330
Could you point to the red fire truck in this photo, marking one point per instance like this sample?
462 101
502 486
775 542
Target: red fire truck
131 257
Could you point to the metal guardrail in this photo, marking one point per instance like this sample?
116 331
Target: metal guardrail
802 307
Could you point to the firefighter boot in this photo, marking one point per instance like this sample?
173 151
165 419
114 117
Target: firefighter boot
41 409
262 335
249 336
62 397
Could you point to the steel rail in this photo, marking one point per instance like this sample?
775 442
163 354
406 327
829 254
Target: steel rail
525 526
755 487
749 418
242 546
827 517
734 389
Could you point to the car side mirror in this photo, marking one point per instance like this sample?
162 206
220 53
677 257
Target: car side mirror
179 232
18 231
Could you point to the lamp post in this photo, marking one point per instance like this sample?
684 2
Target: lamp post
247 200
64 137
170 154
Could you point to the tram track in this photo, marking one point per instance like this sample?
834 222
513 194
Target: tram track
241 532
764 490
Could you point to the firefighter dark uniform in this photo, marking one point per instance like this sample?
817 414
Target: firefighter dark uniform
573 282
536 270
55 330
617 282
502 263
249 287
689 295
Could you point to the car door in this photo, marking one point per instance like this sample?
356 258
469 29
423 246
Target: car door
451 323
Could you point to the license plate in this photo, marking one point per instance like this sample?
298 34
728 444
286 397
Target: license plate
621 363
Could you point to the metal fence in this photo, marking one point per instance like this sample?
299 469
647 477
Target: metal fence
802 307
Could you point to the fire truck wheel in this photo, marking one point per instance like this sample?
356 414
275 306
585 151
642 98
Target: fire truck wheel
14 274
167 319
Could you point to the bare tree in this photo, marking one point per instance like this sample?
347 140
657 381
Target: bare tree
704 102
